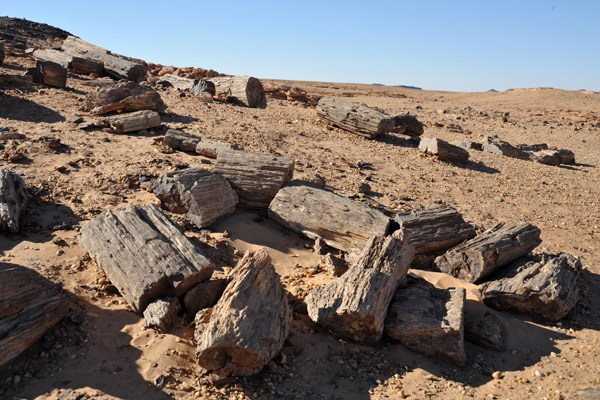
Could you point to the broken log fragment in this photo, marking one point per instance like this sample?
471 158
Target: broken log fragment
179 140
255 177
29 306
202 196
428 320
443 150
125 96
204 295
86 66
178 82
56 56
321 214
486 331
13 200
468 145
494 145
485 254
133 122
547 157
245 90
160 313
356 118
144 254
566 156
407 125
212 148
546 287
249 323
335 266
354 306
48 73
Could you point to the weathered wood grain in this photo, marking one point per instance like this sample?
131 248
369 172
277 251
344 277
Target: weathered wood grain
86 66
245 90
13 200
125 96
443 150
52 74
56 56
179 140
212 148
133 122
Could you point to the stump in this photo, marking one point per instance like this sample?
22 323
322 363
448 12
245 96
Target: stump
250 322
355 118
178 140
202 196
13 200
255 177
133 122
126 96
355 305
485 254
443 150
320 214
244 90
144 254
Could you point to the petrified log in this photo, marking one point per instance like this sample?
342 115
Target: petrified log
355 305
486 331
13 200
547 157
160 313
23 79
212 148
566 156
467 144
125 96
115 66
86 66
356 118
144 254
255 177
178 82
178 140
428 320
202 196
135 121
29 306
52 73
443 150
546 287
407 125
250 322
320 214
203 86
204 295
434 229
240 89
497 146
487 253
56 56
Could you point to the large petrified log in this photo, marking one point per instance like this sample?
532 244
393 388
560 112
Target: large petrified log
179 140
49 73
443 150
250 322
13 200
125 96
115 66
320 214
354 306
546 287
497 146
144 254
487 253
29 306
240 89
133 122
356 118
255 177
434 229
428 320
202 196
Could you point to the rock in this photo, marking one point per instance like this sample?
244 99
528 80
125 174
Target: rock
160 313
335 266
546 287
201 321
443 150
407 125
13 200
125 96
486 331
428 320
547 157
364 187
497 146
179 140
467 144
566 156
205 97
1 52
204 295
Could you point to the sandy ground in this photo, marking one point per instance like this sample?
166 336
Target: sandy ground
110 356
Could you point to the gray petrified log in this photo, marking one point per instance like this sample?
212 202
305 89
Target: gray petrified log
179 140
320 214
485 254
546 287
255 177
245 90
212 148
249 323
202 196
13 200
356 118
125 96
428 320
133 122
144 254
443 150
354 306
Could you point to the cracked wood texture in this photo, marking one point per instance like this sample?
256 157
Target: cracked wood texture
29 306
179 140
125 96
356 118
249 323
144 254
354 306
245 90
13 200
255 177
320 214
485 254
135 121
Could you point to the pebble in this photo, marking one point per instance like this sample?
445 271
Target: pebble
537 373
17 379
497 375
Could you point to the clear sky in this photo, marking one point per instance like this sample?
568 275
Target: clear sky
445 45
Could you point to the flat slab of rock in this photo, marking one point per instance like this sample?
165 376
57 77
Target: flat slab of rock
144 254
204 295
500 147
547 287
255 177
355 118
485 254
179 140
320 214
125 96
135 121
428 320
29 306
202 196
355 305
443 150
486 331
160 313
13 200
249 323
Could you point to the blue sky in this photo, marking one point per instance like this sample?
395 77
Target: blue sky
439 45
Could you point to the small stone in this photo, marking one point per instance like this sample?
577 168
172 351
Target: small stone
537 374
497 375
17 379
498 199
364 187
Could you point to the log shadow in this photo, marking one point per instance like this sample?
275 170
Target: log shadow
177 118
20 109
398 140
475 166
586 313
573 167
